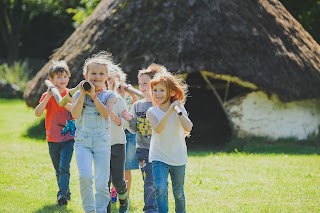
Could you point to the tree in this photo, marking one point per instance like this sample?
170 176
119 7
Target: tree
15 18
307 13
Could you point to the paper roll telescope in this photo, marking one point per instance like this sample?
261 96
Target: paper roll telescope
54 90
131 89
56 94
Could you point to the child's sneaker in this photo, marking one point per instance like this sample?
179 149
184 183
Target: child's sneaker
113 195
62 200
68 196
124 205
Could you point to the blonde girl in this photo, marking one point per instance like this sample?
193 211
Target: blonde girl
91 109
118 141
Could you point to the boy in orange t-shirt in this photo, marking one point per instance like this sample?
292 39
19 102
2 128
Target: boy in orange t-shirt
59 128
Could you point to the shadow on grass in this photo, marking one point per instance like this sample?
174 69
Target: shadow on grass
36 130
52 209
258 145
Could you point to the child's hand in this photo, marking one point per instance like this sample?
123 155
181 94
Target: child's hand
92 92
82 91
122 90
126 115
113 116
49 93
173 104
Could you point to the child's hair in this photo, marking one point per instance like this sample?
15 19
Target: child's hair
152 70
103 58
117 74
58 67
173 84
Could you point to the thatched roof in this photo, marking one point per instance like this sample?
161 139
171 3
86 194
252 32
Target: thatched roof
257 41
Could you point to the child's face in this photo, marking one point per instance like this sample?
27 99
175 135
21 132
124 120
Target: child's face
60 80
110 82
97 74
144 84
160 93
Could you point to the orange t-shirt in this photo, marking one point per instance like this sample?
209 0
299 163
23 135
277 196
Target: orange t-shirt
56 118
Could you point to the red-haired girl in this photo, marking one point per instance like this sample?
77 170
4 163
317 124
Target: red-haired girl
168 150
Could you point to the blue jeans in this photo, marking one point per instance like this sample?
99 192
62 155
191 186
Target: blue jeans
160 174
150 205
61 154
93 150
131 157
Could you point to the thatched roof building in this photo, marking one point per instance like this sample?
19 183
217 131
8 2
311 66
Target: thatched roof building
256 44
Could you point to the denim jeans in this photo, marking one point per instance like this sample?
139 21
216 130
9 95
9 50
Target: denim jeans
96 149
149 187
131 157
177 173
61 154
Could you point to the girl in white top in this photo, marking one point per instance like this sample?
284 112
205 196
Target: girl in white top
168 150
118 141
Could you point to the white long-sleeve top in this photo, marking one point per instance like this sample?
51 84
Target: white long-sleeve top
117 135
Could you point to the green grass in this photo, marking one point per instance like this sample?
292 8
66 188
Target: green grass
257 180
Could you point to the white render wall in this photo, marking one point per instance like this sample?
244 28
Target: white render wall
259 115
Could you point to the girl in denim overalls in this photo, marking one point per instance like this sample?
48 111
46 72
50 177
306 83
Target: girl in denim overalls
91 109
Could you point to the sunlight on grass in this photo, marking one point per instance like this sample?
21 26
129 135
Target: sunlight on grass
215 182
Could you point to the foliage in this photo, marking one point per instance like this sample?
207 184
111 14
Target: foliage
20 72
307 13
16 17
15 74
81 12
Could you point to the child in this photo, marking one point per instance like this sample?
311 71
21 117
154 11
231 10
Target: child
131 159
117 142
60 143
138 123
91 109
168 150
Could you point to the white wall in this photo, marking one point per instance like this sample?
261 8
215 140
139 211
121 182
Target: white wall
259 115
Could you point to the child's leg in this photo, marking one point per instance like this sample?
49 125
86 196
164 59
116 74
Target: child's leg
128 179
160 172
64 167
131 162
177 174
84 159
54 151
149 187
117 168
101 158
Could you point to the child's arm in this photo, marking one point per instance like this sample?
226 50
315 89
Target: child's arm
120 120
106 109
185 121
68 107
77 104
156 125
42 105
132 120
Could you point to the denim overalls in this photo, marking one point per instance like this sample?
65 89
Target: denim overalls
92 145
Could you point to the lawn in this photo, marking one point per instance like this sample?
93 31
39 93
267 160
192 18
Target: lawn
216 181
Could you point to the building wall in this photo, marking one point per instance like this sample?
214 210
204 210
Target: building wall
259 115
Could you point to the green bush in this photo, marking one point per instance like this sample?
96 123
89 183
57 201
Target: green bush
16 74
20 72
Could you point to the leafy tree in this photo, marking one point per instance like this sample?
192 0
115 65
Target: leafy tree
307 13
81 12
16 16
